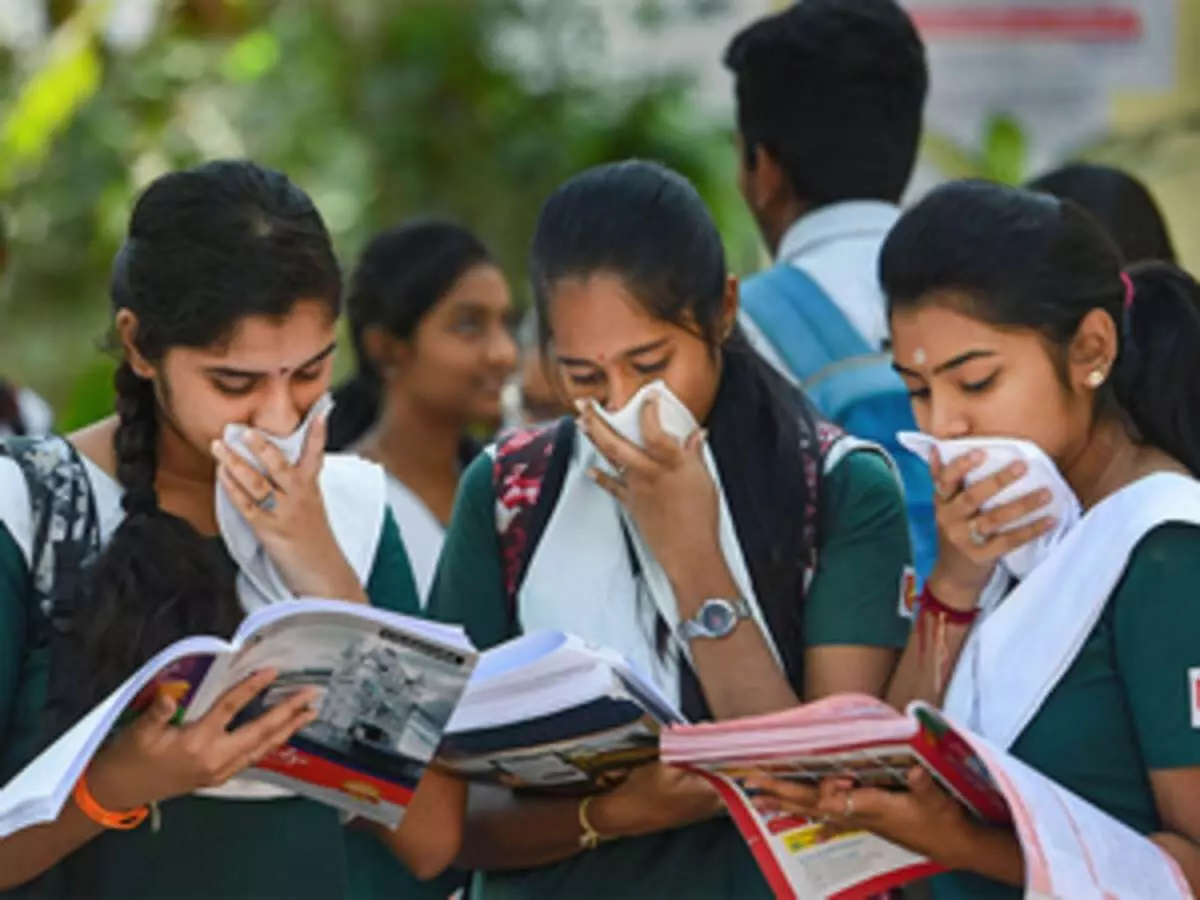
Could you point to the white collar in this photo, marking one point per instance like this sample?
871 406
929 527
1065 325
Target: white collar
838 221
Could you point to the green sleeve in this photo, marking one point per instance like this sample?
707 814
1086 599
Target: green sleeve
469 586
14 581
1157 629
391 585
863 557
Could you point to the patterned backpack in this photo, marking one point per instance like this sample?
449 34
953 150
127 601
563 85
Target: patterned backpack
66 541
527 475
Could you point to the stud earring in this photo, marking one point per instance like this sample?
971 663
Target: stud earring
1096 378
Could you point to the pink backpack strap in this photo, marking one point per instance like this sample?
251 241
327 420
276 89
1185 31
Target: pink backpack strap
527 474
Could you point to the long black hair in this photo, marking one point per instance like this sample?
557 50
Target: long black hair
1119 202
207 247
402 275
647 225
1029 260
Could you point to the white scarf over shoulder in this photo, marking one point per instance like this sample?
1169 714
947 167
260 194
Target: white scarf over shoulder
1028 637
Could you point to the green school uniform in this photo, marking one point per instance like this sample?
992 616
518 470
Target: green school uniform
206 848
854 599
1122 709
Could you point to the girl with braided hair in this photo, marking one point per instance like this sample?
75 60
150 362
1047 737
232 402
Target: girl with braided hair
225 298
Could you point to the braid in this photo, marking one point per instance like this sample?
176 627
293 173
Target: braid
158 580
136 441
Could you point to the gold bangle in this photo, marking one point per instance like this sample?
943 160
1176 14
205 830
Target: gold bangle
590 838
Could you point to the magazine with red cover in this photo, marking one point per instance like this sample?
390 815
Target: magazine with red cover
1071 848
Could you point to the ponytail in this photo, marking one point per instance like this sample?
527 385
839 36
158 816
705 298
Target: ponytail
1157 375
157 579
356 403
764 435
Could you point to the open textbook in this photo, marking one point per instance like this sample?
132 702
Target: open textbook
549 712
1073 851
388 684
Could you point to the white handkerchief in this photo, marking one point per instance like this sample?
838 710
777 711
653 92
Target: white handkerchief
1042 473
259 582
675 418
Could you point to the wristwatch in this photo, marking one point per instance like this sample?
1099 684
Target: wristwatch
716 618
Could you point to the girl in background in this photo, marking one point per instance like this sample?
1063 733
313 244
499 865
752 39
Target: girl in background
429 315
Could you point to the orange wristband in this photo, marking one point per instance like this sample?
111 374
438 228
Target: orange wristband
117 821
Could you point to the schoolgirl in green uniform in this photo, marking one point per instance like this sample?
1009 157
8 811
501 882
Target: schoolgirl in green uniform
225 298
1011 317
766 522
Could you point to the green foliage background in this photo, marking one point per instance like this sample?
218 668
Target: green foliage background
380 108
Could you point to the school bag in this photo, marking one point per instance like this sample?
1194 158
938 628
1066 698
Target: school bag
528 469
66 541
848 380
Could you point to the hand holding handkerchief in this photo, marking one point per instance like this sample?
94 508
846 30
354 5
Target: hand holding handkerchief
1041 474
272 515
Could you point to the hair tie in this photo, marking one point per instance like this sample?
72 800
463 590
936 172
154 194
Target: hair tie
1128 282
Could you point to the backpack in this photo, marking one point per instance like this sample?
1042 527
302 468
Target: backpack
528 469
848 380
66 541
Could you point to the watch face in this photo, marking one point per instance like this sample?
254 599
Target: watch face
717 617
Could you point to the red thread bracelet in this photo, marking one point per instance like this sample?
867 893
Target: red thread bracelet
928 601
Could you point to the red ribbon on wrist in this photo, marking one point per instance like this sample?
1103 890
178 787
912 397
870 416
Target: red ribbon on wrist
928 602
930 607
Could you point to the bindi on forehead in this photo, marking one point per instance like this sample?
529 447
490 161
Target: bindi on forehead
920 357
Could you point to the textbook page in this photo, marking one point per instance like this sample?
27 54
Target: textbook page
1073 850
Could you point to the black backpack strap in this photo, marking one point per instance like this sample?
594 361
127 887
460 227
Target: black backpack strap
66 541
528 475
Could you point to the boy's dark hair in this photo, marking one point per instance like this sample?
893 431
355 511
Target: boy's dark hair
834 91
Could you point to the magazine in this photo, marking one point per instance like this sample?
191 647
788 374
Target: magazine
548 712
387 685
1070 847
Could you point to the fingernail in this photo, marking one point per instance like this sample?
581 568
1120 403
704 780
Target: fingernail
216 448
581 405
976 457
1019 468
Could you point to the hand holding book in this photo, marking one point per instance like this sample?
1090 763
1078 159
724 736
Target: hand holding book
152 759
925 819
653 798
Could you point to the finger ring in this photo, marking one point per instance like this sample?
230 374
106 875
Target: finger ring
621 470
268 503
978 538
849 810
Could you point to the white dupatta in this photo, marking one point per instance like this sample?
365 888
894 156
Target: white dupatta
1027 638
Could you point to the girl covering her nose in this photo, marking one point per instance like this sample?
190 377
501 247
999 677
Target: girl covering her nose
757 563
1011 317
224 299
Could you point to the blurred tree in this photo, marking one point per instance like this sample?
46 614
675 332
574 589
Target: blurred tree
383 109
